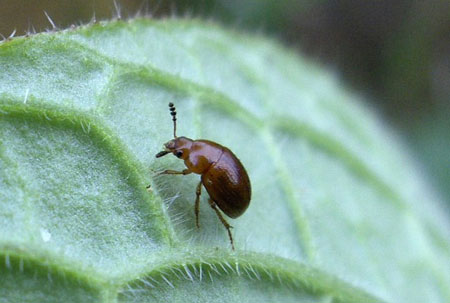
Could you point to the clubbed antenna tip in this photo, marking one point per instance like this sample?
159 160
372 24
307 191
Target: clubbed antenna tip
174 118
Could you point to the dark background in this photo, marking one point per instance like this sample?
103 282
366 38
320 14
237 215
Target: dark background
395 52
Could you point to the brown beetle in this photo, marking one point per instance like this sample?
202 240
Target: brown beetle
222 174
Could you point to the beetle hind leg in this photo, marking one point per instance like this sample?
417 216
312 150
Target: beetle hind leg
198 192
222 219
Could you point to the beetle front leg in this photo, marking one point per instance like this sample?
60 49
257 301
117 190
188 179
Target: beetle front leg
222 219
174 172
198 192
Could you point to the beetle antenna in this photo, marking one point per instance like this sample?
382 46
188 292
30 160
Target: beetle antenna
174 118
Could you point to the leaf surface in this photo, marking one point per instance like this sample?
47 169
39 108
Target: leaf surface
339 211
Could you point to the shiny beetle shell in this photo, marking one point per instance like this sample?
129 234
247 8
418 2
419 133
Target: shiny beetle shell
227 182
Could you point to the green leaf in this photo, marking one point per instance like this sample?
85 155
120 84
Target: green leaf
339 211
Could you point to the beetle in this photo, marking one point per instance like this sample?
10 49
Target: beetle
222 174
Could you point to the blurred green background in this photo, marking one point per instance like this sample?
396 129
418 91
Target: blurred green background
396 53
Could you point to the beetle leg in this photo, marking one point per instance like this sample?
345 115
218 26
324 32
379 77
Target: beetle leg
174 172
222 219
198 192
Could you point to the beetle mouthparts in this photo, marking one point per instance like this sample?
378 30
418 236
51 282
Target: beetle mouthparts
162 153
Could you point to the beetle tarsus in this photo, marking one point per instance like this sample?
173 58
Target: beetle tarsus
198 192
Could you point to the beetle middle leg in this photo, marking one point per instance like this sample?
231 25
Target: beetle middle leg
198 192
222 219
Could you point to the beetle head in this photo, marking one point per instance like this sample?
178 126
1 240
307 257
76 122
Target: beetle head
179 146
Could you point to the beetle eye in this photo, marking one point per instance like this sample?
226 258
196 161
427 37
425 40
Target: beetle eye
179 153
